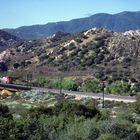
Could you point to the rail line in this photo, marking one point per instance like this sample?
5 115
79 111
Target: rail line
73 93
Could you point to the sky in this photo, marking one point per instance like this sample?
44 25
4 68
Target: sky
16 13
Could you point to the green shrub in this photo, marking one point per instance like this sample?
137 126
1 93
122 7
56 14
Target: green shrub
105 114
16 65
42 81
69 85
4 112
66 84
118 88
122 129
68 108
137 105
92 46
91 86
56 83
107 137
86 130
6 122
74 108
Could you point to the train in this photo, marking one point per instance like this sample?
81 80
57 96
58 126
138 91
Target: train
6 80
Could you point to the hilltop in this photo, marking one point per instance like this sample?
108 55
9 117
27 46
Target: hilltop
120 22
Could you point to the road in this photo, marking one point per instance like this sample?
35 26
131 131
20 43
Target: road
80 95
77 94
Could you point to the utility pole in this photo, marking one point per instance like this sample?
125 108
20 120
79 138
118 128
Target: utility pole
103 90
29 78
61 79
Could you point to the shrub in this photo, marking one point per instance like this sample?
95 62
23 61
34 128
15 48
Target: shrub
42 81
69 85
56 83
105 114
122 129
3 67
74 108
67 108
6 122
71 47
137 105
118 88
91 86
50 59
5 127
66 84
16 65
86 130
4 112
107 137
90 61
78 40
92 46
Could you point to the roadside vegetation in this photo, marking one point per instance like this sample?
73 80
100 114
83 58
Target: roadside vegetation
72 120
87 85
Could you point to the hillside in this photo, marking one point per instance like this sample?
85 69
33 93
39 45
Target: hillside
6 40
100 52
118 22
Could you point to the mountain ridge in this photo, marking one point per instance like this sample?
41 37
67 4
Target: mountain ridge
119 22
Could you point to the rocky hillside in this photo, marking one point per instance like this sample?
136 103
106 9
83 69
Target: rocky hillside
118 22
6 40
101 52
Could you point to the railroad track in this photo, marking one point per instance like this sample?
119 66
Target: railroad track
73 93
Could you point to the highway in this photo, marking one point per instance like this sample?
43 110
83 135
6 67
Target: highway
77 94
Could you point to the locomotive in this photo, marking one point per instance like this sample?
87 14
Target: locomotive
6 80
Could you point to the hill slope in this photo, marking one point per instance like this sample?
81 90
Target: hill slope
118 22
98 51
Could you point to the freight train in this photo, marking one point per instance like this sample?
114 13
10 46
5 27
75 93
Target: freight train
6 80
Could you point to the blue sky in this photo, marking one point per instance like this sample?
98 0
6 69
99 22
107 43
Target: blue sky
15 13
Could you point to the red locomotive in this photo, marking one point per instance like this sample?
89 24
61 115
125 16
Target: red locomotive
7 80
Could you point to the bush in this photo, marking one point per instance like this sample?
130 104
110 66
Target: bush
137 105
16 65
4 112
42 81
118 88
3 67
91 86
107 137
86 130
92 46
6 122
73 108
105 114
69 85
122 129
66 84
